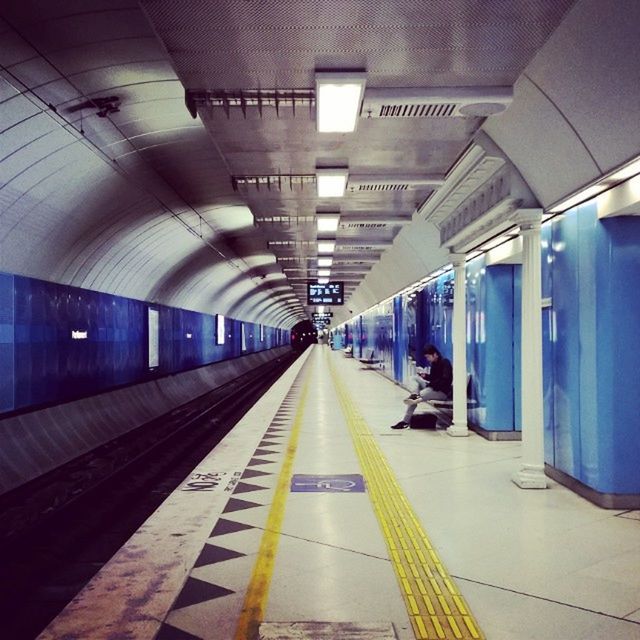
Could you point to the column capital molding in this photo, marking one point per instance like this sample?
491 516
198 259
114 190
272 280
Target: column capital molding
457 259
528 218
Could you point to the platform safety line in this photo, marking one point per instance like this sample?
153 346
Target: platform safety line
434 604
257 594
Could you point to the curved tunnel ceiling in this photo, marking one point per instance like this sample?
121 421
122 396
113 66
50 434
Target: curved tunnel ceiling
108 183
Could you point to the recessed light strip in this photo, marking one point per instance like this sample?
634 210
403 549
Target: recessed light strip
338 101
331 183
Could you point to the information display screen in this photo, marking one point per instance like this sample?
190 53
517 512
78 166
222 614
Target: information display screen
330 293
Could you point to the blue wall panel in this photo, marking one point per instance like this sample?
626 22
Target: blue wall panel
399 339
499 375
546 240
409 303
6 342
566 359
591 335
41 363
493 344
50 365
476 339
440 314
588 227
617 345
547 384
517 350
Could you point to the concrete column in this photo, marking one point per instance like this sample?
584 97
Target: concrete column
459 425
531 474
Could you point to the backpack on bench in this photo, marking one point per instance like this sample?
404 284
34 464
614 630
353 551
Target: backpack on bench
423 421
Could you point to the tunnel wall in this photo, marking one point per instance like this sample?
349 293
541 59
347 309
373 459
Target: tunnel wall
43 364
36 442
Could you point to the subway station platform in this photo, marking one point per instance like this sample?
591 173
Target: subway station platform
313 519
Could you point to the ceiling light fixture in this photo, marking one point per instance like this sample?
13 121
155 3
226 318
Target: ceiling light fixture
338 100
324 273
323 280
609 180
496 242
331 183
326 246
581 196
328 222
325 262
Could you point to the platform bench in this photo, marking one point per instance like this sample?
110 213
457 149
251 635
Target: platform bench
371 361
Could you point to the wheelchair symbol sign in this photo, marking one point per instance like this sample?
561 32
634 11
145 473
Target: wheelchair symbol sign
349 483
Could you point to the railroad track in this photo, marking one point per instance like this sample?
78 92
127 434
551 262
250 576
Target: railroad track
58 531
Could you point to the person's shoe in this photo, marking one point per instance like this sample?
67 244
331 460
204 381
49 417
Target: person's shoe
414 398
400 425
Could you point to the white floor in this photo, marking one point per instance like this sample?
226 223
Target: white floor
532 565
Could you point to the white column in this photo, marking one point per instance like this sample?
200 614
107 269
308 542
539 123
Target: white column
531 474
459 425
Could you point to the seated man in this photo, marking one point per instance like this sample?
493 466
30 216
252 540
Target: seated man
435 385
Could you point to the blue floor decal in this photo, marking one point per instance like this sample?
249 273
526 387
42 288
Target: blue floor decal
350 483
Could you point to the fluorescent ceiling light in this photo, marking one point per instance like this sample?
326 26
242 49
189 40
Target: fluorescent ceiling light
492 244
581 196
611 179
331 183
328 222
324 273
338 100
323 280
320 309
325 262
326 247
628 171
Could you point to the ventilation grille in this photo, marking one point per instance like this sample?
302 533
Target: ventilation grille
383 187
356 248
445 110
364 225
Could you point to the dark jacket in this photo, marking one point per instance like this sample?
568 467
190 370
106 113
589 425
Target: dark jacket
441 375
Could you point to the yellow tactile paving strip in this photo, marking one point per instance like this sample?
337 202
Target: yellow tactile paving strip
434 604
256 597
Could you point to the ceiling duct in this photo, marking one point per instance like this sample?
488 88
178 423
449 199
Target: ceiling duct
258 99
436 102
273 182
285 221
